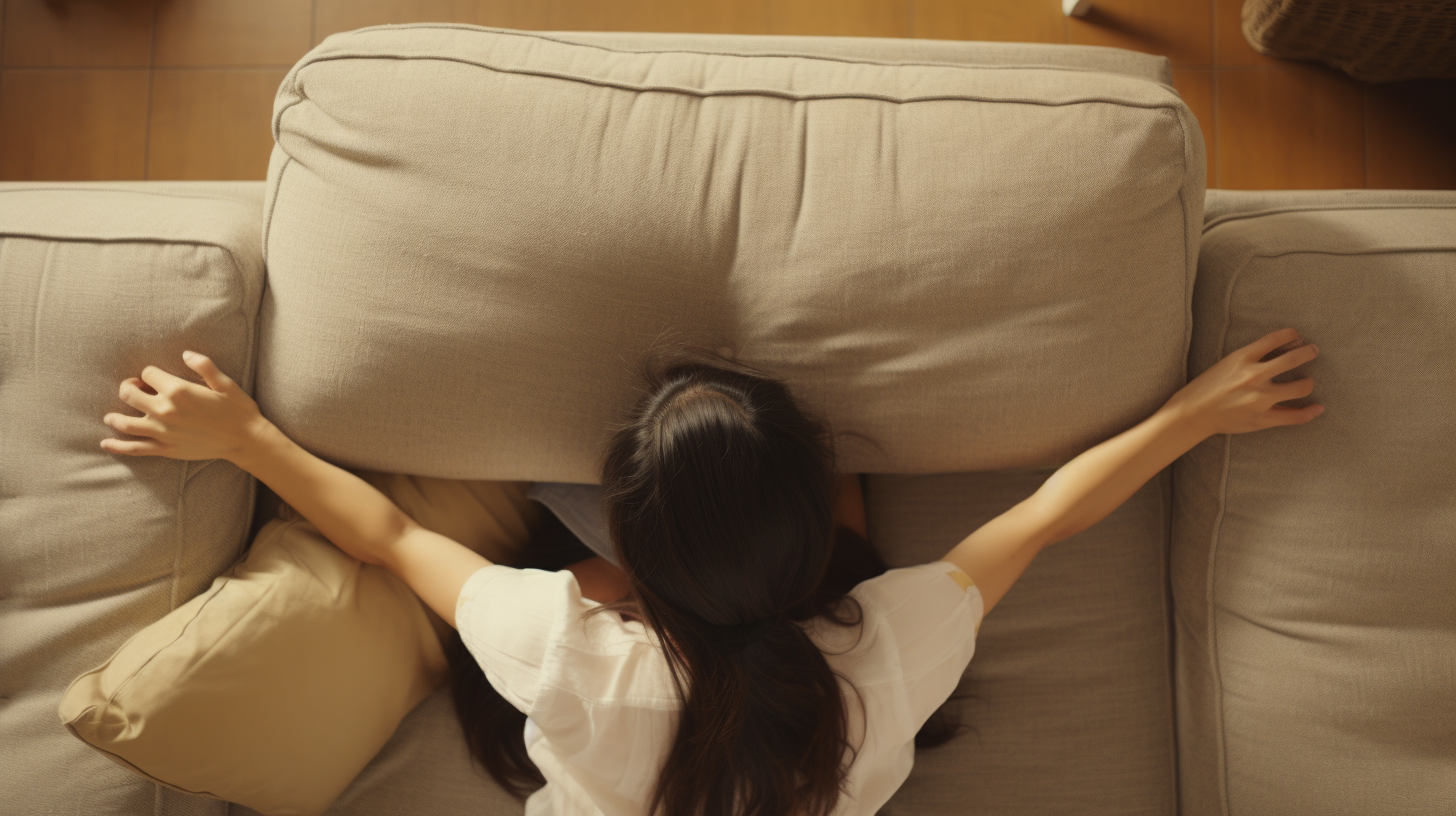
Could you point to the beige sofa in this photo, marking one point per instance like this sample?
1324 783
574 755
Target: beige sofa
982 257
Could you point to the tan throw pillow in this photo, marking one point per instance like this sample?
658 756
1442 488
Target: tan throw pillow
276 686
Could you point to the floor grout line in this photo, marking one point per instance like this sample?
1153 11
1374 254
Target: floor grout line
151 85
1365 136
4 12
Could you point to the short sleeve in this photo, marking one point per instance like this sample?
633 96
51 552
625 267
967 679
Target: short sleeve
511 620
931 614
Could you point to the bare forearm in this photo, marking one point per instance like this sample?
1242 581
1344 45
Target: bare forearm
1087 489
357 518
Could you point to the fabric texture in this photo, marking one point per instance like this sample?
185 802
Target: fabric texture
891 49
1230 205
520 219
97 281
1068 706
579 676
424 770
1312 565
275 687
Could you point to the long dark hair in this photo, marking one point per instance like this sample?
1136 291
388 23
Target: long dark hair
719 493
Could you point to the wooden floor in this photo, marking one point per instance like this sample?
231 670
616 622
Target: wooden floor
183 89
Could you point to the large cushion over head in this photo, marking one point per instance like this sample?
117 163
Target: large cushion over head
98 281
1313 565
473 236
1067 707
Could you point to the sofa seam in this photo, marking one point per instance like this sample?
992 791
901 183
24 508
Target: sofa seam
1313 207
111 698
21 187
760 92
232 257
1220 741
755 54
1350 254
1165 490
180 532
1190 259
218 590
40 292
276 126
273 200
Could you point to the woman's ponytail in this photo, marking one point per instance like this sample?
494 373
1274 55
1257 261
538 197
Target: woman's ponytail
719 493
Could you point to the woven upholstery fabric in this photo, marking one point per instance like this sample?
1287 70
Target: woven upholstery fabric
1311 565
475 235
98 281
1067 707
1220 206
424 770
1371 40
892 49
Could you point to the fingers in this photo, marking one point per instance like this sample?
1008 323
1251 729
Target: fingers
165 382
131 448
1299 389
132 394
211 374
136 426
1295 416
1256 350
1289 360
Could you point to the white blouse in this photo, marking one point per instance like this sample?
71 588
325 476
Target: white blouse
600 700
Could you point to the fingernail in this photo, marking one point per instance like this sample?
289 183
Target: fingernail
188 355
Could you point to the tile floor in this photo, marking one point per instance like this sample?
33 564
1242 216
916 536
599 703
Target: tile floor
183 89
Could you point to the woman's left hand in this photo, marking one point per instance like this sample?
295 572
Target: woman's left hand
184 420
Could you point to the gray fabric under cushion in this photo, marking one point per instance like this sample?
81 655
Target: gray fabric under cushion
892 49
1313 565
424 770
488 229
579 508
1068 704
98 281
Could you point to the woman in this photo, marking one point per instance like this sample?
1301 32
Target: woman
733 678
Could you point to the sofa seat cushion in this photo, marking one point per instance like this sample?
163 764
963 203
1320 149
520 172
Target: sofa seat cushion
1312 565
98 281
1067 707
473 236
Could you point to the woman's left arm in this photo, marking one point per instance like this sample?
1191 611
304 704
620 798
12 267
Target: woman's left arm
220 421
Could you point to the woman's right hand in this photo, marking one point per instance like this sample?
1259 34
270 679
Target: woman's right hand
1236 394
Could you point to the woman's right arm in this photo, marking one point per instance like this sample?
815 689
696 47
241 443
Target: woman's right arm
1234 396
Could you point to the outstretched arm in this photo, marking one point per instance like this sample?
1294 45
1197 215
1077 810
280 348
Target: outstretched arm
220 421
1233 396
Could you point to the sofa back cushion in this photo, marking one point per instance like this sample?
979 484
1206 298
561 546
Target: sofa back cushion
473 236
1312 565
1067 706
889 49
98 281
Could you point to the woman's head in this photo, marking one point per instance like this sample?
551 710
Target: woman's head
720 495
720 498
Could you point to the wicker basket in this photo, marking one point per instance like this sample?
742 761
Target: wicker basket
1371 40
